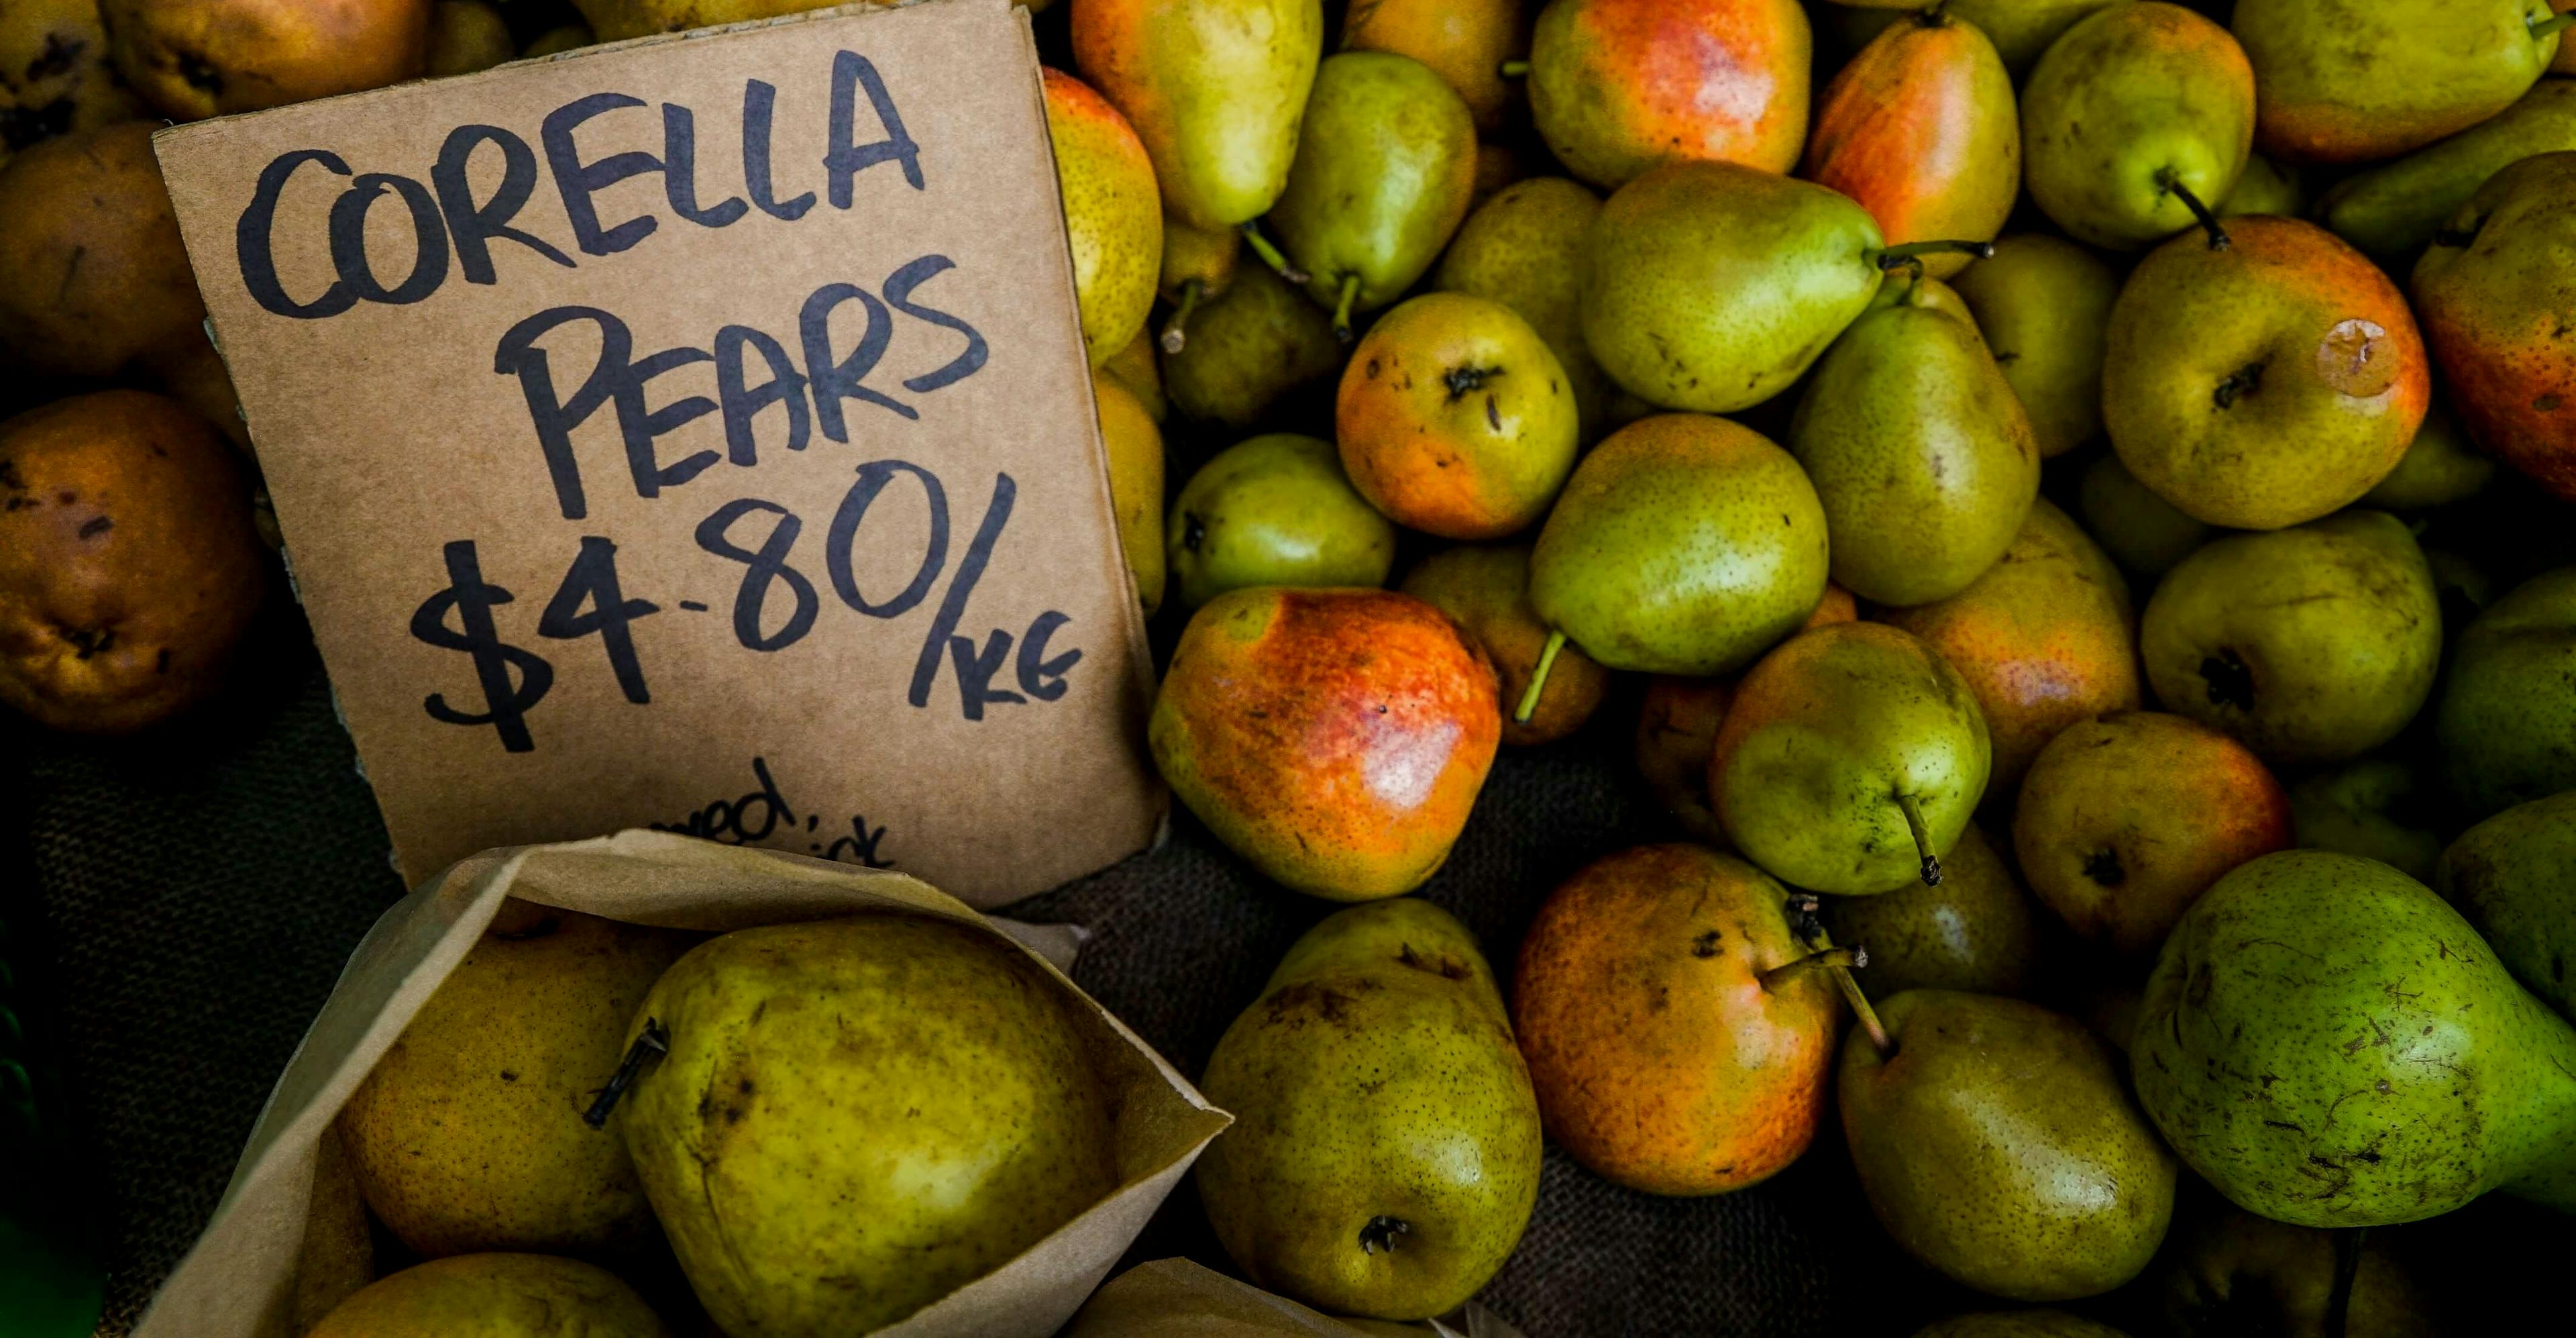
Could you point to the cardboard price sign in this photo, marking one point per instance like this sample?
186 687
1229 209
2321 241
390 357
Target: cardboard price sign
695 433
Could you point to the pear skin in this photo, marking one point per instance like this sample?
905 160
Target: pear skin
1974 932
1112 216
2312 644
2374 808
1283 711
2329 1044
2263 383
2505 728
1385 170
1920 453
2344 81
1996 1144
2132 102
1850 758
2143 532
2231 1269
2391 211
465 36
1454 418
1920 128
1617 86
2441 466
1677 720
1384 1158
2267 187
2045 637
97 277
1247 348
1674 1048
218 57
2044 306
1213 88
1662 553
1463 41
1520 248
1135 448
2124 821
1486 589
1712 287
55 73
2497 299
1273 510
1198 264
2509 876
495 1296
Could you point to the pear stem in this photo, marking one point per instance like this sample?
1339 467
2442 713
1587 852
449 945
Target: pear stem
2557 23
650 1045
2171 181
1513 69
1342 308
2347 1266
1913 810
1174 337
1810 930
1897 257
1788 972
1538 678
1270 255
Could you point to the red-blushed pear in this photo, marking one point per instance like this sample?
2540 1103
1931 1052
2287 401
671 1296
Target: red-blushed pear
2497 294
1617 86
1920 128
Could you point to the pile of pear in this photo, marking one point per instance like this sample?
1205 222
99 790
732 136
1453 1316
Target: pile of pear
2072 497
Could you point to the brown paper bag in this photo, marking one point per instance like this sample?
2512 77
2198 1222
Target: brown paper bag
1175 1298
239 1280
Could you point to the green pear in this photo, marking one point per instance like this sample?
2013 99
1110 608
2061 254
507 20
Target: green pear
2266 187
1212 88
1249 346
2135 114
2441 466
2232 1273
1274 510
2044 306
2371 808
2392 210
1385 170
2353 80
1520 248
858 1116
2041 1323
1662 554
2510 876
494 1296
1850 759
1712 286
1385 1154
2329 1044
2506 725
2311 644
1996 1145
2020 29
1974 932
2142 532
1920 453
465 1136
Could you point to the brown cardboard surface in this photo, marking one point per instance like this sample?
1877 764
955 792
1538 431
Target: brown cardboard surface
1175 1298
861 649
239 1280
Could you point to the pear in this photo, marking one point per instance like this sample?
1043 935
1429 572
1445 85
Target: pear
2506 725
467 1134
1213 88
465 36
1995 1144
2390 211
1520 248
2370 808
1135 370
59 77
1454 418
1662 554
1465 41
1274 510
1677 720
1247 348
1920 453
2497 299
1617 86
2044 306
2262 376
2231 1273
557 40
1198 264
1677 1034
2143 532
1973 932
2266 187
1135 448
1920 128
2352 80
1111 214
337 1256
1485 588
1850 759
2038 1323
1712 287
97 277
2329 1044
2311 644
220 57
2134 116
2509 875
1385 168
495 1296
2441 466
1385 1154
2020 29
857 1116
